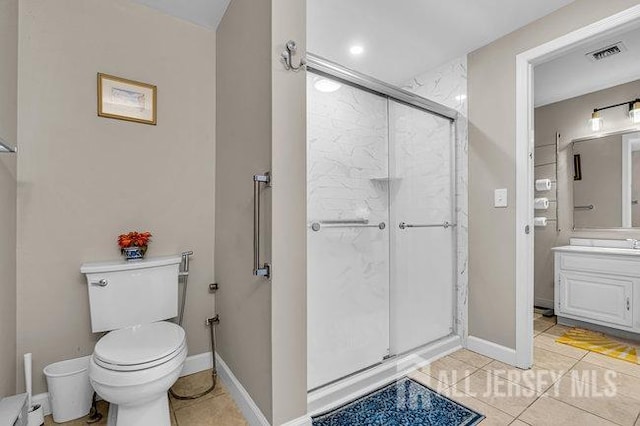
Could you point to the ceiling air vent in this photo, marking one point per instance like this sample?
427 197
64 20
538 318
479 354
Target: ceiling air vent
607 52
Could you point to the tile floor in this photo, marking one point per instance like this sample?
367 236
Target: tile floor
501 392
215 408
505 397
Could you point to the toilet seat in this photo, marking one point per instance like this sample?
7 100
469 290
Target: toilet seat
139 347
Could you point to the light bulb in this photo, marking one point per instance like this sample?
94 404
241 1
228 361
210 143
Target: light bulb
596 122
634 112
327 86
356 49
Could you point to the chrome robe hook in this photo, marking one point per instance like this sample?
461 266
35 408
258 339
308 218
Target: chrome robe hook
287 57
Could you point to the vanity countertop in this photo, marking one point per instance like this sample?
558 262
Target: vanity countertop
598 250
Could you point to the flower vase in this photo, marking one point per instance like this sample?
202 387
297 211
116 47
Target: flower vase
134 253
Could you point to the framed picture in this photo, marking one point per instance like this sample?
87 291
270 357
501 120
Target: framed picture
126 99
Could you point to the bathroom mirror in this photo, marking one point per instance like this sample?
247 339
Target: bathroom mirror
606 181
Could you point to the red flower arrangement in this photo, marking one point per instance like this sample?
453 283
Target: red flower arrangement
134 239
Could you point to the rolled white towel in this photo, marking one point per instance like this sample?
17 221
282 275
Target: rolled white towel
543 185
541 203
540 221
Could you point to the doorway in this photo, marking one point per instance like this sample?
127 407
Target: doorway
525 158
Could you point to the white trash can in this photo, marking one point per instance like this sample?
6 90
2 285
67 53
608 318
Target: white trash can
70 392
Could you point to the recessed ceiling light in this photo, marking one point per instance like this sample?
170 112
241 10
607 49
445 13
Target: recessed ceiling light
327 86
356 49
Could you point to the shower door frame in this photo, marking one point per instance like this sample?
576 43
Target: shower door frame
324 67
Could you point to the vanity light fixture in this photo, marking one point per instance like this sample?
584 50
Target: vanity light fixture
5 147
634 114
596 121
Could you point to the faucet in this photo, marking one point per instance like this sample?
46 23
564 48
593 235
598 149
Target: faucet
635 244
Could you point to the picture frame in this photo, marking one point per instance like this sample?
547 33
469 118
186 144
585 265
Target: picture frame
128 100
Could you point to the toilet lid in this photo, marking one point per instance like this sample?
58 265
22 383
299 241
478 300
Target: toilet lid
140 344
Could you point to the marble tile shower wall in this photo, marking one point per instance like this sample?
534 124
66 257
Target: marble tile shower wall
447 85
420 165
348 154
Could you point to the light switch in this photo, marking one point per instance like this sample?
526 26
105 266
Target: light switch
500 198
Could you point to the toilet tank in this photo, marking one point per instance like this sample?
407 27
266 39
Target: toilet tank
122 294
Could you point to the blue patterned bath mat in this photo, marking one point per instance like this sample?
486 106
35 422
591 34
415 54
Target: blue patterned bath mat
405 402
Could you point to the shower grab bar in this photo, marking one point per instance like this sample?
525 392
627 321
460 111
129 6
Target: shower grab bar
445 225
589 207
265 269
316 226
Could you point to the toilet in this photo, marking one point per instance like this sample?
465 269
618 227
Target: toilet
141 356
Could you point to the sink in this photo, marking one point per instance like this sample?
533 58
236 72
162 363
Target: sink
588 245
591 242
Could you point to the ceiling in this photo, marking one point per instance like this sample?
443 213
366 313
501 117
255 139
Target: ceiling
404 38
206 13
574 74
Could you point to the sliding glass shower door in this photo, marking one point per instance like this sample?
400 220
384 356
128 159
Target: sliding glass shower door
348 233
423 234
381 235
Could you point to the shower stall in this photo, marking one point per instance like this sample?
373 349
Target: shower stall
381 215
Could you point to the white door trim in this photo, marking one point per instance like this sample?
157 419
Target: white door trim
524 170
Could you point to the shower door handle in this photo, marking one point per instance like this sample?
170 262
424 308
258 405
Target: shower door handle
445 225
263 270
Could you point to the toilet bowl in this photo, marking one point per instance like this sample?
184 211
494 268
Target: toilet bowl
134 367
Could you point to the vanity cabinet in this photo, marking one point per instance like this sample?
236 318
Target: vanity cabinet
599 286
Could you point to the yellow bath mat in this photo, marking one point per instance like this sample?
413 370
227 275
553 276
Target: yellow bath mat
600 343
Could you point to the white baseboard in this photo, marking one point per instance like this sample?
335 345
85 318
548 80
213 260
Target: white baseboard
193 364
196 363
492 350
247 406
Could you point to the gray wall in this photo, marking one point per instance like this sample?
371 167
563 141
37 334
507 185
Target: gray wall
8 132
569 118
492 164
83 179
243 148
261 127
289 241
